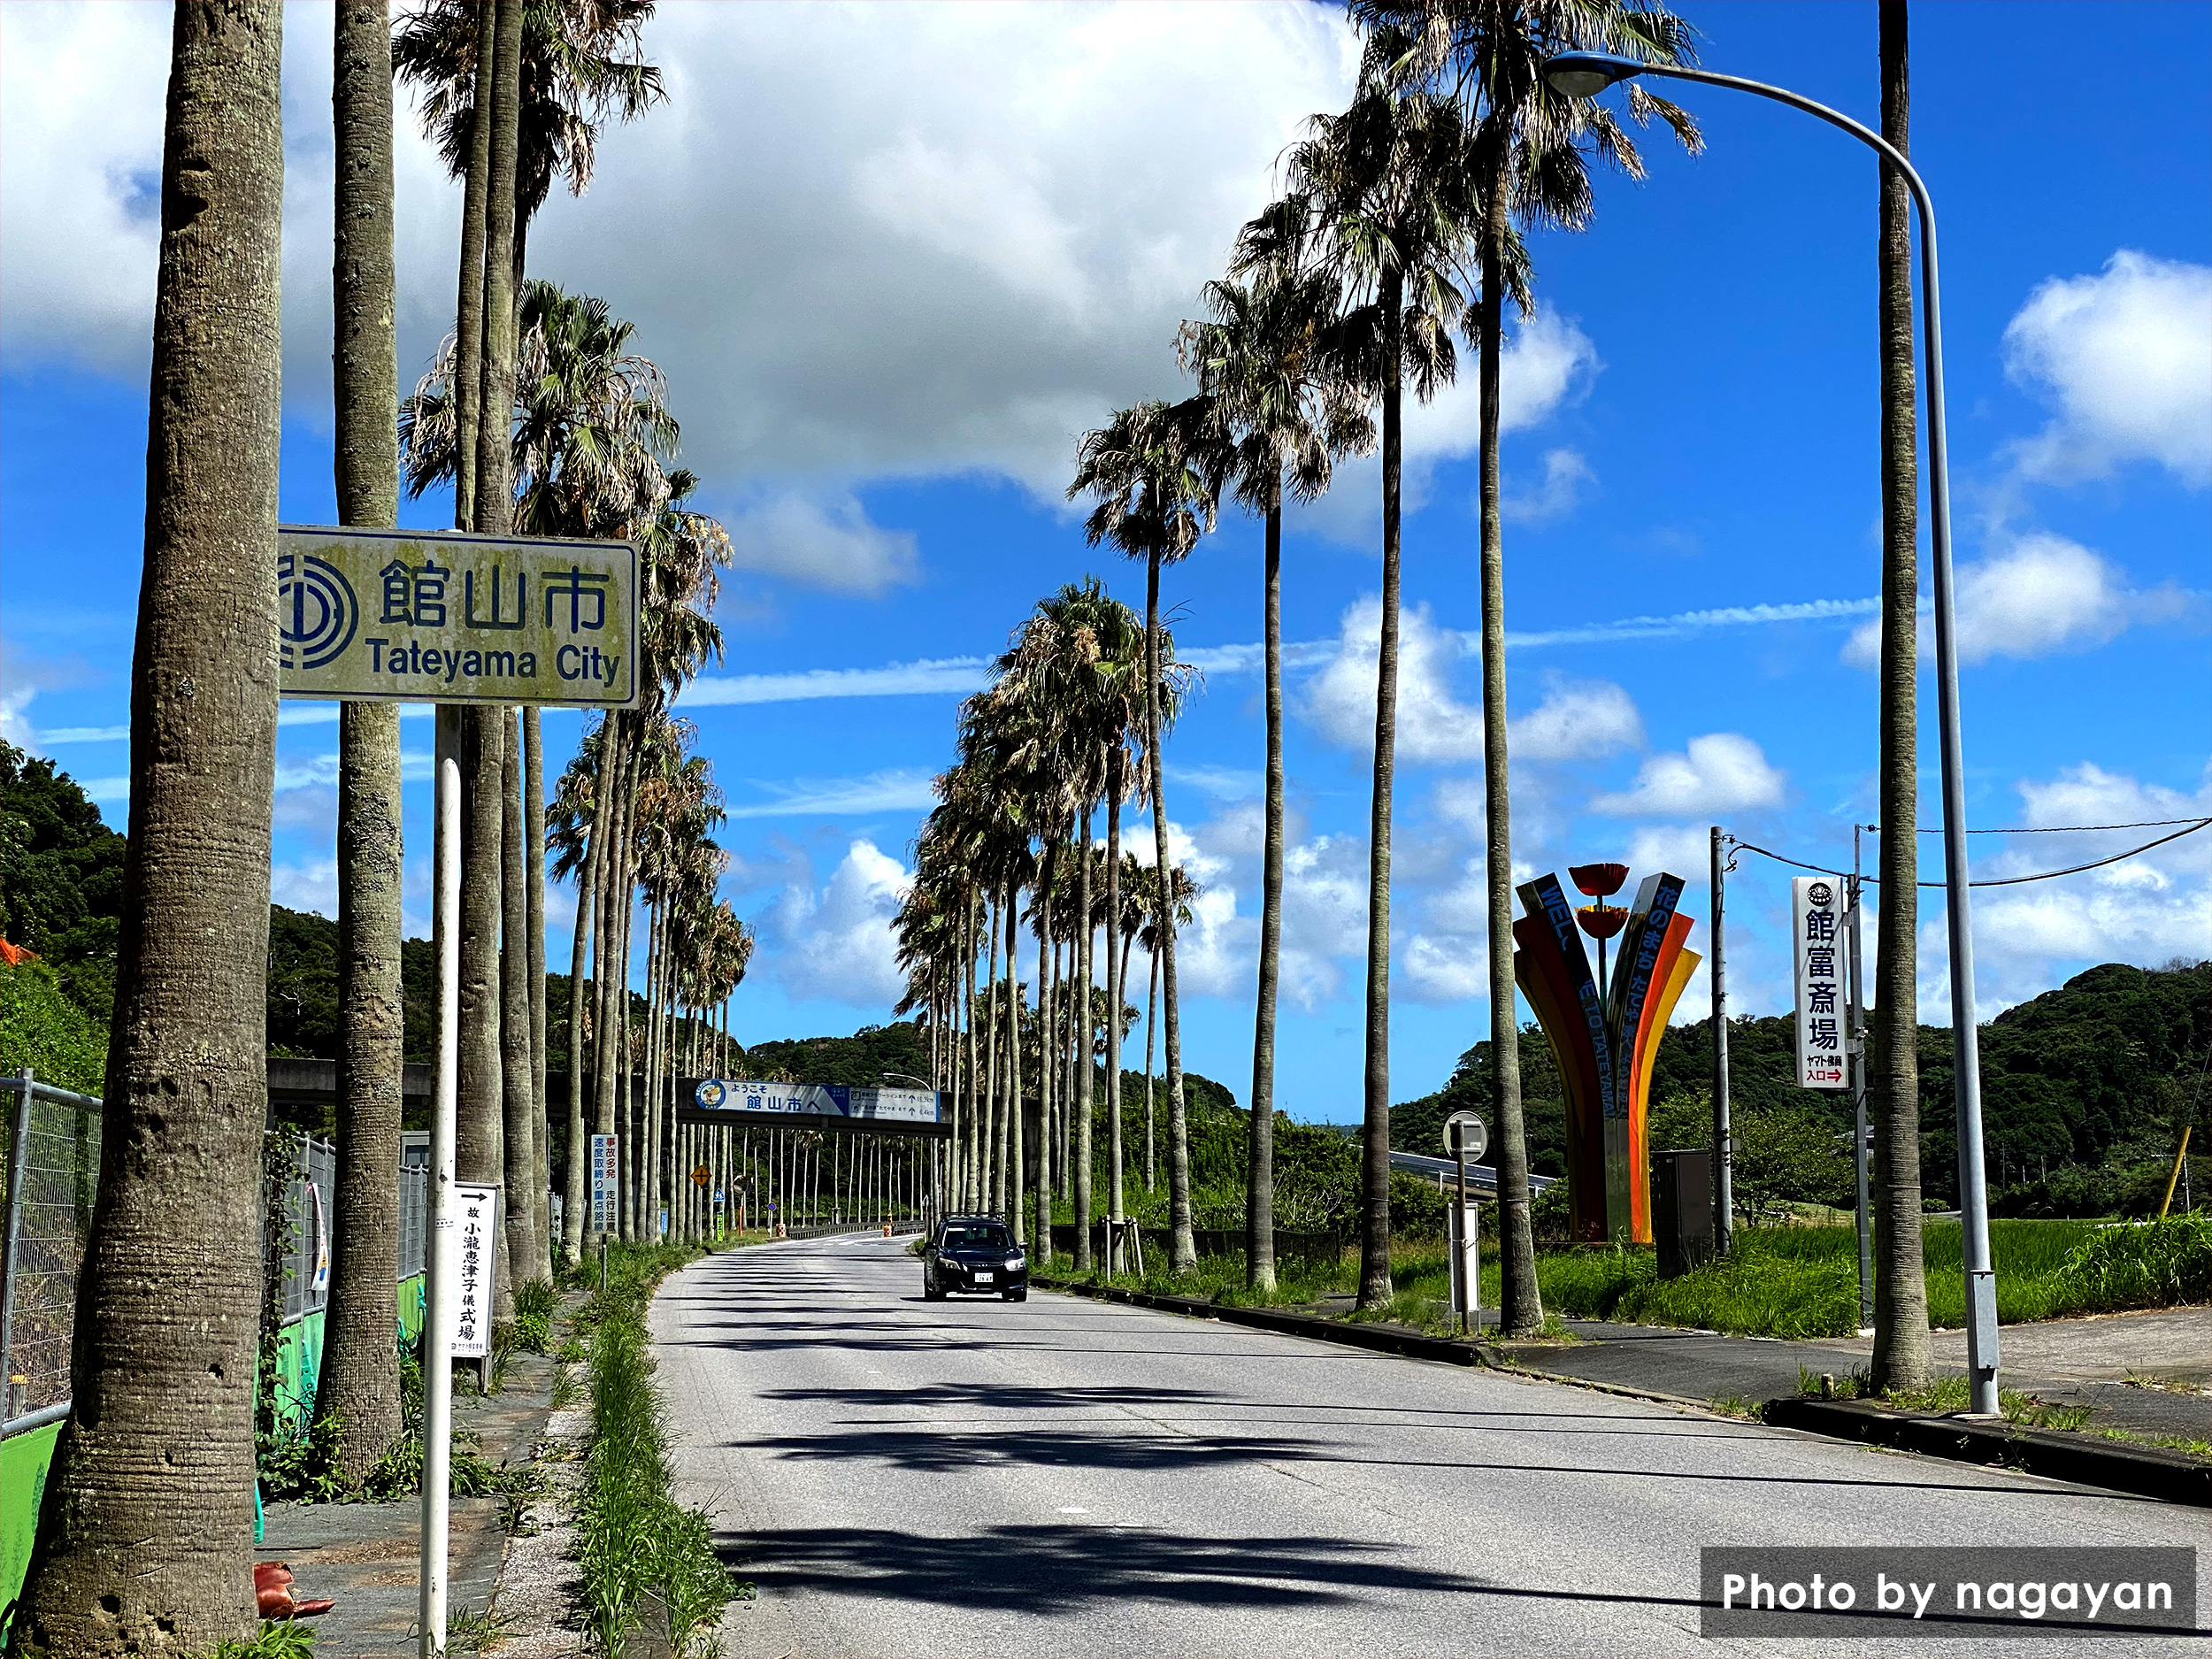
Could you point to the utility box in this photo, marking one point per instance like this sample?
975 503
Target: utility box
1682 1209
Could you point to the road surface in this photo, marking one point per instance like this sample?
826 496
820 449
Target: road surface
1072 1480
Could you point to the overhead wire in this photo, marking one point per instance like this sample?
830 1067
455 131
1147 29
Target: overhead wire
2193 826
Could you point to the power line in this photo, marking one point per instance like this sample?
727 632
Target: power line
2194 824
2064 829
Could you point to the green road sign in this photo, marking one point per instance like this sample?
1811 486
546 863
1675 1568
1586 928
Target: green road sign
418 616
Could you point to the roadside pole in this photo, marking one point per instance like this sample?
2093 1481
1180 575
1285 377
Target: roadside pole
437 1323
1724 1172
1859 1150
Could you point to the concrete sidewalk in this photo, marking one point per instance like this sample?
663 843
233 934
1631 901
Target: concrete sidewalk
367 1556
2085 1362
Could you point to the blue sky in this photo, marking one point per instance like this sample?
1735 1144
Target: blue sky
895 260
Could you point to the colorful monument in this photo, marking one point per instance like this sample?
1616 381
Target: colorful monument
1604 1031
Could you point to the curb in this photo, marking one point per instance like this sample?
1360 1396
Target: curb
2146 1471
1379 1338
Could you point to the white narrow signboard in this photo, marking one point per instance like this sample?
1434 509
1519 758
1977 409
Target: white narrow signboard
606 1167
473 1241
1816 906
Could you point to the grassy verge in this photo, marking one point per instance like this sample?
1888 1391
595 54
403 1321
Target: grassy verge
1798 1282
644 1557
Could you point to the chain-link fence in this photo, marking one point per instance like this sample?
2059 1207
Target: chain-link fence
53 1174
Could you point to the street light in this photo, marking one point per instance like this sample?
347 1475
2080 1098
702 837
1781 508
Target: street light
1584 74
906 1077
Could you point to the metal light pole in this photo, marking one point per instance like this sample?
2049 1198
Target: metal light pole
1584 74
1723 1133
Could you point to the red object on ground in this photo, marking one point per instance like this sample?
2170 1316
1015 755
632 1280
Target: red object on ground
272 1593
16 956
1601 921
1600 881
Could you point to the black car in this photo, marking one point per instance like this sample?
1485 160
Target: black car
974 1252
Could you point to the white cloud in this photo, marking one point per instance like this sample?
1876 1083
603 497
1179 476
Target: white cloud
1565 472
1722 772
13 727
311 886
1578 719
815 544
1548 363
835 943
2043 593
1684 850
954 676
1434 725
2126 357
1451 968
893 791
1223 783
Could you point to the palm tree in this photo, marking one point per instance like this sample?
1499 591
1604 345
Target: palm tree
359 1385
1154 470
142 1541
1382 201
1901 1356
1529 148
1263 357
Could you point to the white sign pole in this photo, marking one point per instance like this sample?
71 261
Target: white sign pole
437 1324
1816 906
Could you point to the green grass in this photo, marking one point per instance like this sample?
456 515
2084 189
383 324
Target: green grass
644 1557
1793 1282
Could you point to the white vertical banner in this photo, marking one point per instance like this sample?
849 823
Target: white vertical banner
1817 911
474 1241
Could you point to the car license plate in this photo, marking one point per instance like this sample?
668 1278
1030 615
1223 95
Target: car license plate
982 1278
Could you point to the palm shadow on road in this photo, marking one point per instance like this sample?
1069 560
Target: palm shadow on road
1064 1569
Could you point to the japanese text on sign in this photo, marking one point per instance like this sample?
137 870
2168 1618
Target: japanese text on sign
401 615
1816 910
606 1166
474 1241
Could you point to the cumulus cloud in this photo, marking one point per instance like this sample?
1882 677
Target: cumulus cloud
2125 356
1434 725
1722 772
1578 719
1565 473
2041 595
834 943
822 544
311 886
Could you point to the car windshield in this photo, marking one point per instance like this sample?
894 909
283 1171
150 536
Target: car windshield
976 1238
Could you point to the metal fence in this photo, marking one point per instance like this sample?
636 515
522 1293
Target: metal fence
53 1174
312 1194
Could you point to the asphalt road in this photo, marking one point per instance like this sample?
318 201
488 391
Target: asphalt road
1067 1480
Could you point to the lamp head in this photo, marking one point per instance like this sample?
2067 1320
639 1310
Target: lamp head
1586 74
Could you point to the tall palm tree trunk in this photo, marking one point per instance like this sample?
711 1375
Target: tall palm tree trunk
985 1192
1259 1210
1182 1246
494 426
142 1544
1117 976
1043 915
1522 1303
468 326
518 1064
1902 1350
1151 1038
359 1387
541 1106
578 1154
480 1148
1086 1083
1017 1162
1374 1265
969 1189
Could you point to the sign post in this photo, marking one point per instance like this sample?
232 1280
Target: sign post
1466 1136
1816 908
407 616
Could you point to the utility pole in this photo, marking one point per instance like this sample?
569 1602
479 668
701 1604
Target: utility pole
1723 1181
1860 1148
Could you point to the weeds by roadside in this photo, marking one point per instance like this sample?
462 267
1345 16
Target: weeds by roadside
277 1639
2171 1443
1944 1397
643 1555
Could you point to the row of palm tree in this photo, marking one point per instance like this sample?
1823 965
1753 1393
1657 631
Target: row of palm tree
1067 727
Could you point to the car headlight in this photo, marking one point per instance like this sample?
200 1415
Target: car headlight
1013 1261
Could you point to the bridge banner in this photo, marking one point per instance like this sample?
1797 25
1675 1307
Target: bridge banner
854 1101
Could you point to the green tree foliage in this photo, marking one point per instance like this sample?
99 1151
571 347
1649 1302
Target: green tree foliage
41 1027
61 879
860 1059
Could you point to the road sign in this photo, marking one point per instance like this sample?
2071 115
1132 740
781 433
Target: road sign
1465 1136
1816 910
474 1241
702 1175
409 616
606 1166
